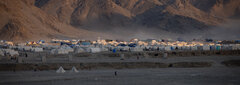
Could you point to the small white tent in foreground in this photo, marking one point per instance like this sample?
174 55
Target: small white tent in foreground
74 69
60 70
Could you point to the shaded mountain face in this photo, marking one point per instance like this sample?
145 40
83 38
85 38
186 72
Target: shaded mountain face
35 19
115 13
219 8
21 20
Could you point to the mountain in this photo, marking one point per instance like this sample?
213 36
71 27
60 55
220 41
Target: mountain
219 8
128 12
21 20
114 19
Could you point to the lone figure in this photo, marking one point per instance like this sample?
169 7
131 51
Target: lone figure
115 73
165 54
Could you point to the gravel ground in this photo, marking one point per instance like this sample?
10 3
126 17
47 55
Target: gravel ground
218 74
160 76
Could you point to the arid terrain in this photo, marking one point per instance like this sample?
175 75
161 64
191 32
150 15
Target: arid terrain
185 73
119 42
25 20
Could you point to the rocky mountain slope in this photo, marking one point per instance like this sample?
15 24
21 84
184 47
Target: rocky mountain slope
21 20
35 19
142 12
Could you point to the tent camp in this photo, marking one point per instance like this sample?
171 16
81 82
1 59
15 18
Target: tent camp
11 52
49 47
24 48
36 49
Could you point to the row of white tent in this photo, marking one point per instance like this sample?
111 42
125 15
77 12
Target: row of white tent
170 48
4 52
76 50
27 48
61 70
65 49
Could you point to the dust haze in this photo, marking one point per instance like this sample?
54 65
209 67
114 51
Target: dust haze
227 31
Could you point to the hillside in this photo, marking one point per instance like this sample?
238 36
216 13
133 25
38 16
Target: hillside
23 20
104 14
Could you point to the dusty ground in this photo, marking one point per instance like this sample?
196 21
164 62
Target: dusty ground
217 74
162 76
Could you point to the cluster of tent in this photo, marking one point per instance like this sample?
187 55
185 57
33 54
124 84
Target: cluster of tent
55 48
64 49
27 48
89 49
4 52
171 48
61 70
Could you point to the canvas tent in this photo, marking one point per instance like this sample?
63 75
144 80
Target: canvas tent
59 51
67 48
1 53
136 49
95 50
11 52
206 47
60 70
37 49
74 69
78 50
167 48
64 49
193 48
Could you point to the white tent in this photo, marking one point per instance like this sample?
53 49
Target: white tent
173 47
11 52
87 49
78 50
48 47
137 49
61 51
60 70
53 51
104 49
74 69
1 53
126 48
27 48
161 48
194 48
167 48
37 49
67 48
95 50
206 47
